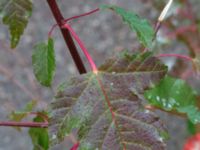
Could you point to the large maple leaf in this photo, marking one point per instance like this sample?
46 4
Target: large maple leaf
106 109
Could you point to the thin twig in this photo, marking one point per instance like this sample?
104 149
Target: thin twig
24 124
72 18
27 124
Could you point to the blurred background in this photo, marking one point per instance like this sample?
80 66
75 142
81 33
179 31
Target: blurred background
104 34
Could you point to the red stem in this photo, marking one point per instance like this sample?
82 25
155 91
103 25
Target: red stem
82 15
72 18
177 56
44 124
51 30
24 124
82 46
67 37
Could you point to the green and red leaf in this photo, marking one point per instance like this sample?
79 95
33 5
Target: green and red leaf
106 108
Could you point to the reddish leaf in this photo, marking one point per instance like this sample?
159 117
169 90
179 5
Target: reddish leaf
107 110
193 143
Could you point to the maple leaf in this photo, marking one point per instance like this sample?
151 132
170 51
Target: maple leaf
106 108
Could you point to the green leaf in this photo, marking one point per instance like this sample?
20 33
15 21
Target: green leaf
15 15
191 127
18 116
192 112
43 61
39 136
174 94
87 102
142 27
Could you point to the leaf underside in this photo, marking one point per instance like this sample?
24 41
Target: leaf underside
89 101
15 15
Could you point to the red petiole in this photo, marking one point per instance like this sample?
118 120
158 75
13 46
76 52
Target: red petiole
72 18
44 124
82 46
177 56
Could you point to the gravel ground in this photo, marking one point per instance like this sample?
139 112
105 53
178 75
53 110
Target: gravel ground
105 34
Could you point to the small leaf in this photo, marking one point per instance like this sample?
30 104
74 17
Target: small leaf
142 27
174 94
39 136
43 61
19 115
87 103
16 14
